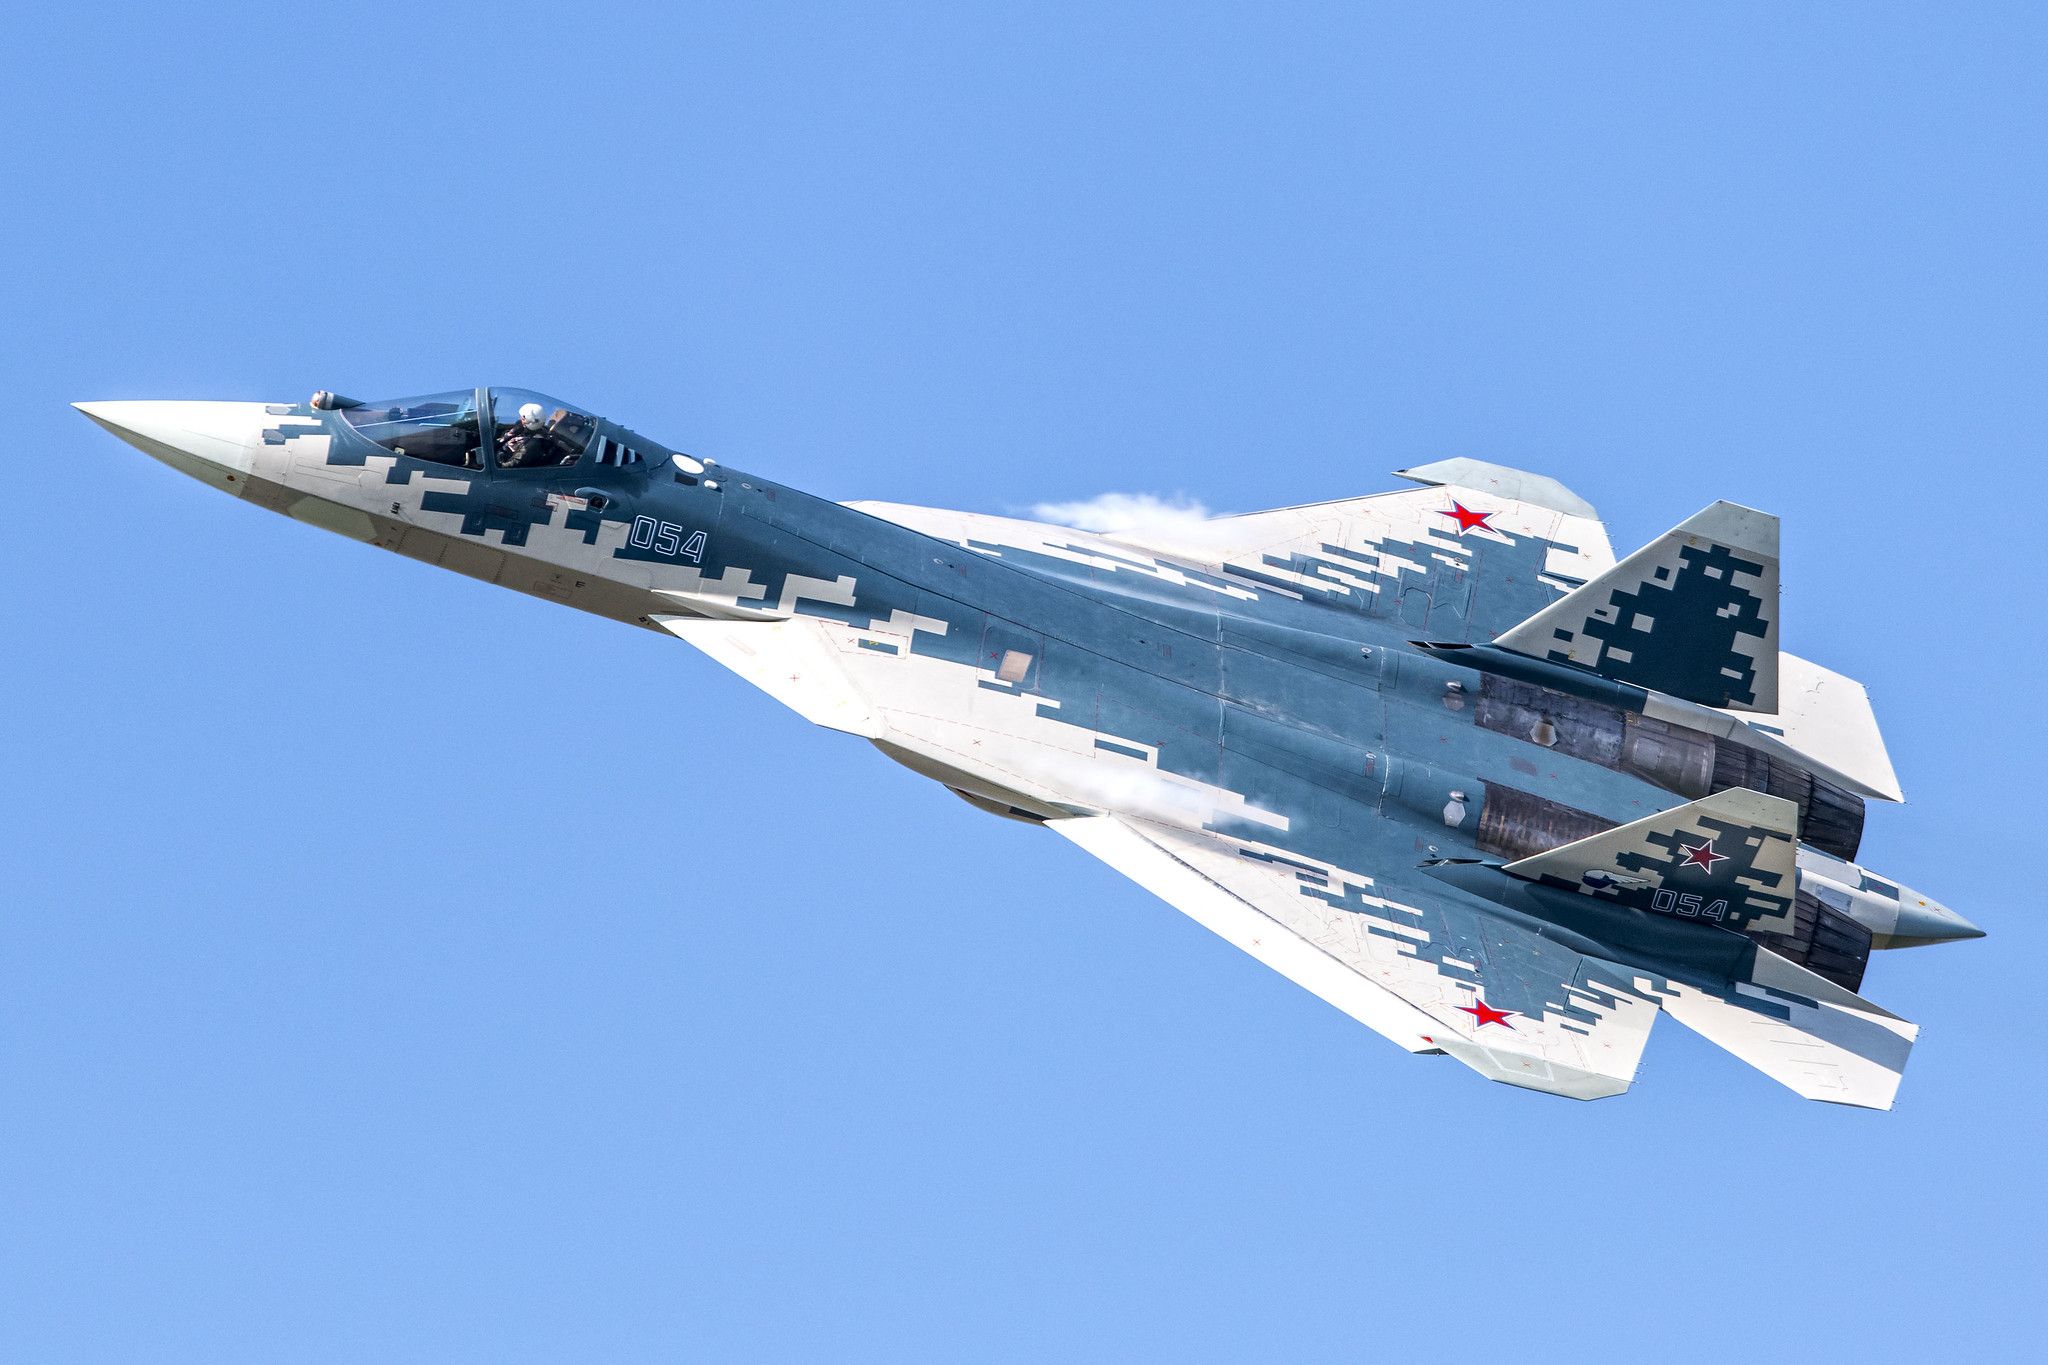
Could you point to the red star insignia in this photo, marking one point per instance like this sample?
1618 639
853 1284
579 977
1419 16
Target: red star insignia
1702 855
1487 1014
1466 518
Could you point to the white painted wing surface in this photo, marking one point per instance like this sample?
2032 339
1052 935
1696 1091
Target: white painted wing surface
1383 972
1803 1031
1462 559
1462 562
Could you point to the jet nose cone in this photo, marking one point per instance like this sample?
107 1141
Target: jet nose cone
215 443
1923 921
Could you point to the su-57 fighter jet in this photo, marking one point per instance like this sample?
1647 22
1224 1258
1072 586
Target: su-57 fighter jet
1435 755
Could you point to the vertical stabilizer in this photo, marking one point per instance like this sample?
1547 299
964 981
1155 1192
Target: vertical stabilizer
1693 614
1728 859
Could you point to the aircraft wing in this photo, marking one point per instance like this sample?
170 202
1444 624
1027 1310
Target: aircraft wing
1456 559
1476 550
1419 964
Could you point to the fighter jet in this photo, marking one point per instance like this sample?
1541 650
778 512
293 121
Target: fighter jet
1435 755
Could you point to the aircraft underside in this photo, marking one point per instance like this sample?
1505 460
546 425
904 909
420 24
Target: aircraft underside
1435 755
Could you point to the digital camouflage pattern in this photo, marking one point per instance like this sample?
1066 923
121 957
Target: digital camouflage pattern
1432 754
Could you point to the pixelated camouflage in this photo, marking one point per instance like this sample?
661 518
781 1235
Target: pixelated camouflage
1434 755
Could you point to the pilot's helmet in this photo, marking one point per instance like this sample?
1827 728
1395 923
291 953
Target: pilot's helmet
529 416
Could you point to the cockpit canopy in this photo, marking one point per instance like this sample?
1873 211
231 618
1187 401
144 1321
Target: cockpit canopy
507 429
533 431
440 427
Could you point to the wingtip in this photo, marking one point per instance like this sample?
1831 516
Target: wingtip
1538 490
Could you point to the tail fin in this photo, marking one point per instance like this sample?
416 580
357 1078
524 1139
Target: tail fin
1693 614
1729 859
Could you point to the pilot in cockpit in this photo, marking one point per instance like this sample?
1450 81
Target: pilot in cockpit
528 442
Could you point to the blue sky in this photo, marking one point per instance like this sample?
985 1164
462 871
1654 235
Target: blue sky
398 969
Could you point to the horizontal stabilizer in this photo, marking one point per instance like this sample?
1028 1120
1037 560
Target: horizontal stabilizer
1693 614
1802 1031
1729 859
1826 717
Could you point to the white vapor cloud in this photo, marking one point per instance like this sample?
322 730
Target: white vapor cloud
1110 512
